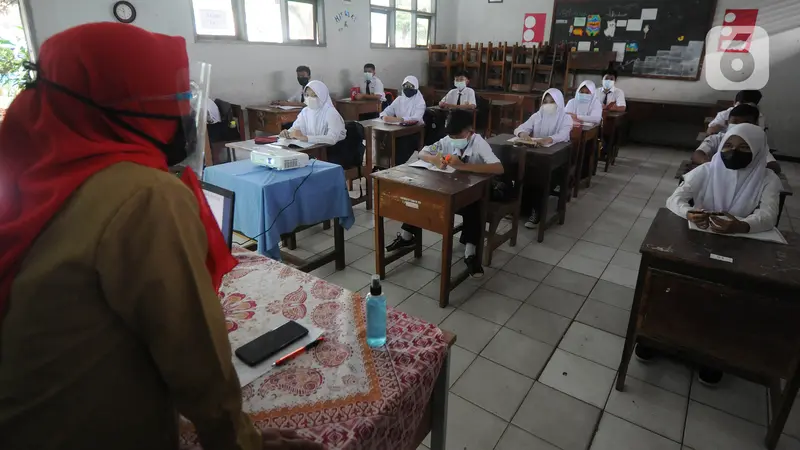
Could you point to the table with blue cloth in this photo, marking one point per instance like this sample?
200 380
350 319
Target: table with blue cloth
270 203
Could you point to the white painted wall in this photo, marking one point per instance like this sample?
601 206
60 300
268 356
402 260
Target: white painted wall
480 21
254 73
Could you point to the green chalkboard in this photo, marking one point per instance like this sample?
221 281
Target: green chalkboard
660 38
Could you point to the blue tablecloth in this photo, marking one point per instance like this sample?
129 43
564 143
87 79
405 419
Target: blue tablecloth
261 193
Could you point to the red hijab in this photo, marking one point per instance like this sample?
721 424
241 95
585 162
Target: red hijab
50 142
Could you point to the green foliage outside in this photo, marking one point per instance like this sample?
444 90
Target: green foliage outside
13 76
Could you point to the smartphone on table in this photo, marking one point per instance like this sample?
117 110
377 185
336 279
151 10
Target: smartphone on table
270 343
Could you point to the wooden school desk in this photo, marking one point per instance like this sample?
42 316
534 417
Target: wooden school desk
269 119
540 164
498 107
613 123
724 302
786 188
351 110
376 128
585 140
428 200
318 151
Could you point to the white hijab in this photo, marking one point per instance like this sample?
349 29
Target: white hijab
316 120
586 108
414 81
543 125
737 192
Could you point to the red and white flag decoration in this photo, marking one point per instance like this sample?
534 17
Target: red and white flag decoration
533 29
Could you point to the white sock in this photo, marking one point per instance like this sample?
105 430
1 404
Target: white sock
406 235
469 251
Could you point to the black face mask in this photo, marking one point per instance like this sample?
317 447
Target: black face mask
303 81
736 160
409 92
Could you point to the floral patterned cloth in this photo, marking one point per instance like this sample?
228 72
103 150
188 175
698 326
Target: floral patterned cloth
342 393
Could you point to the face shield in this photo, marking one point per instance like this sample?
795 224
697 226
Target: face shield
194 109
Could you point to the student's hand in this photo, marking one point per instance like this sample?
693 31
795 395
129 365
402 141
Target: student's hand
546 141
727 224
444 105
284 134
574 117
525 136
295 133
392 119
274 439
455 162
359 96
699 218
700 157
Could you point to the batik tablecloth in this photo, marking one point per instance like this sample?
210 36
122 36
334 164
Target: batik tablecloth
342 393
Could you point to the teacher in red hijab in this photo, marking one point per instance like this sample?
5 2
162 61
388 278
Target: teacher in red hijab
110 325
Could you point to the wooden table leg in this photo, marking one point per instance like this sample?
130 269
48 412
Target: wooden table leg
447 256
439 406
370 147
338 243
578 171
780 412
393 160
592 144
489 123
630 336
483 214
563 196
543 218
380 250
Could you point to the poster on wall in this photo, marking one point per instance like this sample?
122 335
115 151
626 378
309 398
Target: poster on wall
738 25
533 29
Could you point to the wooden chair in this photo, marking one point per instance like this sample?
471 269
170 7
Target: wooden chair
496 67
523 60
217 149
439 66
544 68
473 64
513 159
456 60
584 62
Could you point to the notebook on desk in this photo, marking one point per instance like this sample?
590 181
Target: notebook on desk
773 235
516 140
426 165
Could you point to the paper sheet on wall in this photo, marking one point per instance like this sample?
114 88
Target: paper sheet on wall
619 47
634 25
426 165
584 46
622 23
649 13
772 235
579 22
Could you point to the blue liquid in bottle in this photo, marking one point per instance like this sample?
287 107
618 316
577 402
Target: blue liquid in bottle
376 314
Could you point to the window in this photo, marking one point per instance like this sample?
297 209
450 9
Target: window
271 21
402 23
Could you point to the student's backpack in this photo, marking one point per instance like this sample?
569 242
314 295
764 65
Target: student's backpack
349 152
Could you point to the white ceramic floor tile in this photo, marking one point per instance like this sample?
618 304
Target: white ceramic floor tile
542 253
460 359
650 407
432 260
353 252
458 296
500 258
425 308
610 238
538 324
570 281
613 294
666 373
583 265
617 434
621 276
605 317
491 306
469 426
557 418
528 268
511 285
516 439
473 332
518 352
735 396
578 377
593 344
349 278
556 300
502 396
711 429
410 276
627 260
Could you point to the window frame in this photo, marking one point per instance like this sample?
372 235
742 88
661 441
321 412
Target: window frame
240 26
391 12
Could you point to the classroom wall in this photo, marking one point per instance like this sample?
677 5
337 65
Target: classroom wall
254 73
480 21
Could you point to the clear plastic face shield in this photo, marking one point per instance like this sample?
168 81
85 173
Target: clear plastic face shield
194 110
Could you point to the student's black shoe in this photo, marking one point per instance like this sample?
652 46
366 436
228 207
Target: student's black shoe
398 243
709 377
533 221
474 266
644 354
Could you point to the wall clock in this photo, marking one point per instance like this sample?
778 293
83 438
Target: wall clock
124 12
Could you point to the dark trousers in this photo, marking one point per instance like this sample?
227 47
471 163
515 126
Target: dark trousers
532 193
404 147
471 228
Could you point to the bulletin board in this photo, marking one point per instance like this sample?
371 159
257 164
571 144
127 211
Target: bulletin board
652 38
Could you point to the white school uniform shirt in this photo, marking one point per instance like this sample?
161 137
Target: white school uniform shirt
750 194
478 151
467 97
323 125
591 112
212 112
298 96
711 145
614 95
407 108
375 87
722 117
557 127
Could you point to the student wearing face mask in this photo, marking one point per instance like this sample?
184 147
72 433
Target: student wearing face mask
585 108
463 96
372 87
611 97
722 119
468 152
320 122
298 99
550 125
405 108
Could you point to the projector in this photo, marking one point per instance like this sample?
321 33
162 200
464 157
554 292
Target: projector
278 158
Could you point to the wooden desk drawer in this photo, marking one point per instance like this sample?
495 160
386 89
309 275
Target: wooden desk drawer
737 328
414 206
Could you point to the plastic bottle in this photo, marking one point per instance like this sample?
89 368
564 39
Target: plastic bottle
376 314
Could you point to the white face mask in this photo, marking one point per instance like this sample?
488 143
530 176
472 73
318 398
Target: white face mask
460 85
368 76
549 109
608 84
312 102
583 98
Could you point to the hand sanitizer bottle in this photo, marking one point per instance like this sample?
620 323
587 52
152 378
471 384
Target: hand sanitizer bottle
376 314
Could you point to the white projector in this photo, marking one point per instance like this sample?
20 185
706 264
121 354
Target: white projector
278 158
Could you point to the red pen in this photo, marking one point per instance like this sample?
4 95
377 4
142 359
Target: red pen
298 352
